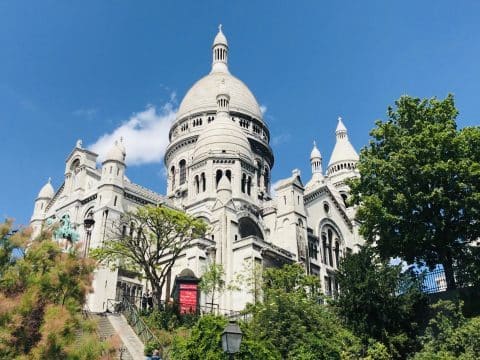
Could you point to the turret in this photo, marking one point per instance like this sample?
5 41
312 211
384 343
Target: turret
316 163
113 173
44 197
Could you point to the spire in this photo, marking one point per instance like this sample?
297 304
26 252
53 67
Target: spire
220 52
341 130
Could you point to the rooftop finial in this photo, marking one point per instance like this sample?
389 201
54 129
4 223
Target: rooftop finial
49 180
339 118
314 143
220 27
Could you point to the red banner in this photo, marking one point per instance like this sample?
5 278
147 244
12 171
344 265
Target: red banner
188 298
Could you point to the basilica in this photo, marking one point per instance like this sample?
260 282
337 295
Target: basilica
219 165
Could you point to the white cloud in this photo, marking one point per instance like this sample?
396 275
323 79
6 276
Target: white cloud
145 135
263 109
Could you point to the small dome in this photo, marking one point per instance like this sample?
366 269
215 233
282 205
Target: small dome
202 96
220 39
343 150
315 154
116 152
222 137
47 191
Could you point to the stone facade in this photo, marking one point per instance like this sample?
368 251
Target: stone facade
219 163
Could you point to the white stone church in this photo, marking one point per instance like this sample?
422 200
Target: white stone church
219 163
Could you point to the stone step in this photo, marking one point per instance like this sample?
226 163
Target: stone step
106 330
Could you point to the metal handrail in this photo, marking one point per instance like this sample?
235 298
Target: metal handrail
131 313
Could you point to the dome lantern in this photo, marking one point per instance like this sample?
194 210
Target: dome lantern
220 52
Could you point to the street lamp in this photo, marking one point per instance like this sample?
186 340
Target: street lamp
88 224
231 338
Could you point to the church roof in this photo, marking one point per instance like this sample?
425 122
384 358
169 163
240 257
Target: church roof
202 96
343 150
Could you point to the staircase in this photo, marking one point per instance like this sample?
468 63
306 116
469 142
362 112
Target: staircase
106 329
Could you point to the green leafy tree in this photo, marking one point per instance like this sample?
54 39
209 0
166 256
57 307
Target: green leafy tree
213 282
203 342
377 301
149 240
418 193
41 298
292 319
450 335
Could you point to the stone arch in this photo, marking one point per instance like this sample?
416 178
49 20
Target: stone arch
248 227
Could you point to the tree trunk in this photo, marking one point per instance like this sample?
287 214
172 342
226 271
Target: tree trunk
449 273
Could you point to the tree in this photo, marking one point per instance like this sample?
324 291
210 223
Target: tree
450 335
293 322
377 301
418 192
212 281
149 240
41 297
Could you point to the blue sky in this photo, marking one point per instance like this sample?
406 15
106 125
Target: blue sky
85 69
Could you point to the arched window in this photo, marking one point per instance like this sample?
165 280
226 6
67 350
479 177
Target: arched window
266 178
337 253
324 249
244 182
249 185
172 174
228 174
197 184
204 182
329 245
344 197
218 176
259 173
183 171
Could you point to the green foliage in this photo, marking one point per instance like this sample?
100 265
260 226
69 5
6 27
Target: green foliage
149 240
378 301
212 281
204 341
449 335
41 295
419 194
292 323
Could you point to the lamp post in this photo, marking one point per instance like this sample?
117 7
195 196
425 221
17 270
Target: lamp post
88 224
231 338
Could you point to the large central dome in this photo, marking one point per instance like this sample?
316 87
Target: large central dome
202 96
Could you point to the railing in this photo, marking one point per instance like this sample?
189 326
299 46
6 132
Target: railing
433 281
132 315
